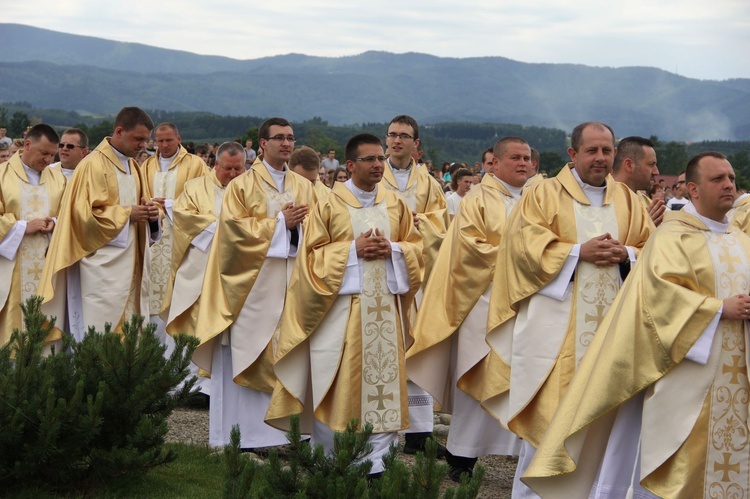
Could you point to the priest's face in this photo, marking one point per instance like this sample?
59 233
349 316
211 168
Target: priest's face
229 167
513 164
167 141
130 142
38 153
713 193
70 157
367 172
595 156
646 171
278 147
399 147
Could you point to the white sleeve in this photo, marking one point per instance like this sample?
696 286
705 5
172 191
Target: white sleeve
12 240
280 240
701 349
558 287
351 283
397 275
121 240
203 240
169 208
631 255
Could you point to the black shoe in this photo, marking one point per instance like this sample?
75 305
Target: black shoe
374 476
415 442
455 473
460 465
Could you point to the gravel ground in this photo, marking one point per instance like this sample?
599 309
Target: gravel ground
190 425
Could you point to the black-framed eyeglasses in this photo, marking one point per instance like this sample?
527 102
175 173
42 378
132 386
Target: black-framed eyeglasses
402 136
68 146
371 159
282 138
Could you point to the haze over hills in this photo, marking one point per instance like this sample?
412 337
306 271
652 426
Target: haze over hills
51 69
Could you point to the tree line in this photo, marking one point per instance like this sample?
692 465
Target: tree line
441 142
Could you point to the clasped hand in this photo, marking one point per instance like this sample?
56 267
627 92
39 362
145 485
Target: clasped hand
144 212
603 250
372 245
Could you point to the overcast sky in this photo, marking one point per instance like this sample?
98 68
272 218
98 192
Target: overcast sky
695 38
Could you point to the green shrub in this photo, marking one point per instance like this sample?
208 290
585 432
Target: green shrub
309 473
93 411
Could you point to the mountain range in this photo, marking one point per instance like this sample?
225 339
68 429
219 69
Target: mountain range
92 75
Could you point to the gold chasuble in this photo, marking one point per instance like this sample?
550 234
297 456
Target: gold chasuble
19 277
340 357
321 190
457 295
94 211
194 211
739 215
537 341
242 288
692 414
423 196
168 185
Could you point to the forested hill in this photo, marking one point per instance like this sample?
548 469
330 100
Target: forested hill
90 75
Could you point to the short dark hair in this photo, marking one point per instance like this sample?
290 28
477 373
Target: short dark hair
166 124
201 149
460 173
630 147
535 156
577 135
691 171
306 157
130 117
352 147
83 139
266 126
405 119
41 130
231 148
502 144
489 150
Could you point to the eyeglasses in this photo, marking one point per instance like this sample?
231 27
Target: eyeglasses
68 146
371 159
282 138
402 136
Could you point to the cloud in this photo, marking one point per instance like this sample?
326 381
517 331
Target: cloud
693 37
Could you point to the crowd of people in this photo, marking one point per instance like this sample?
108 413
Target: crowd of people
589 323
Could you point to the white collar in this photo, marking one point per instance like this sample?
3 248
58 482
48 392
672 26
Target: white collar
713 225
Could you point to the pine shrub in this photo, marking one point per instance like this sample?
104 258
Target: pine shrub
309 473
92 411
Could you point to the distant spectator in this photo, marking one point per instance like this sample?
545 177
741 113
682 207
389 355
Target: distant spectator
203 152
679 191
330 163
142 157
250 154
323 175
4 152
341 175
3 139
15 146
461 183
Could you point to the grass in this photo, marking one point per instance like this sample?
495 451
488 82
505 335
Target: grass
198 472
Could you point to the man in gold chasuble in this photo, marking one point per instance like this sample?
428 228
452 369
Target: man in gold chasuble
659 407
30 195
426 200
449 350
195 215
340 354
106 222
249 264
166 173
573 238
